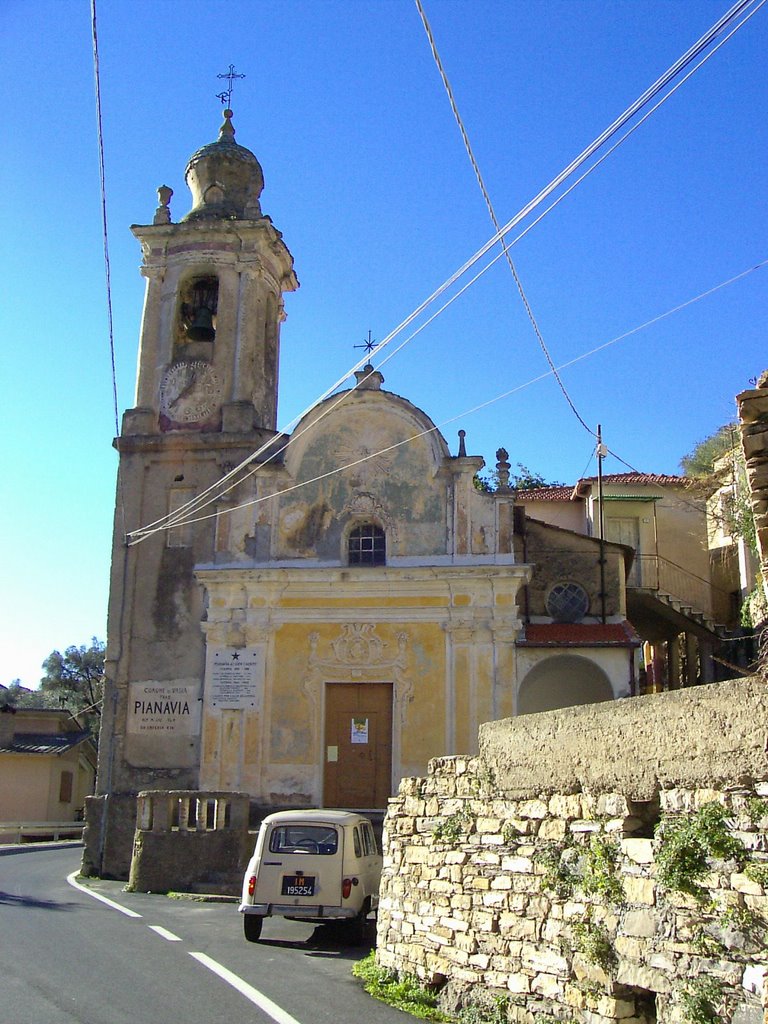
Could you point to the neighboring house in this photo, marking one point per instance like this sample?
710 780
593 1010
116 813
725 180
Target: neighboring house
671 598
47 765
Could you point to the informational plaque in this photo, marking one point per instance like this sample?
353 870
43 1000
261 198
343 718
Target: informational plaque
235 678
163 709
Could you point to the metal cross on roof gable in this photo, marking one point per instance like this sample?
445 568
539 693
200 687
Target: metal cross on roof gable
231 75
368 345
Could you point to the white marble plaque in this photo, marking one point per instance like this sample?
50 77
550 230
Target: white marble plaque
235 678
163 709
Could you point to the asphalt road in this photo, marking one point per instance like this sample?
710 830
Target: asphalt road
70 958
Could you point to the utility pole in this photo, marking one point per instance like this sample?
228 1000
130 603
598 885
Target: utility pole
601 452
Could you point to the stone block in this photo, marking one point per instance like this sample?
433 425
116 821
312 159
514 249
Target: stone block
516 927
532 809
612 805
519 983
547 985
517 865
619 1009
553 829
501 882
642 977
566 806
641 851
639 890
742 883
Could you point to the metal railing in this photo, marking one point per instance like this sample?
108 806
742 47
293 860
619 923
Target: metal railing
652 572
39 831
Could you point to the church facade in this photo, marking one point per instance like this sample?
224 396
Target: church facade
308 619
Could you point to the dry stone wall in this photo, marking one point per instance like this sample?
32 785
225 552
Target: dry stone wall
559 903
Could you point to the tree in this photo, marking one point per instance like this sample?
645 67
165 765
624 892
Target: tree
9 695
700 461
77 677
524 480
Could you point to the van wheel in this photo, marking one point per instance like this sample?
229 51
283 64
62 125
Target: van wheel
252 927
358 926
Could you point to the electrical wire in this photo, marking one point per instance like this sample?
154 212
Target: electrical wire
477 408
492 212
103 191
176 518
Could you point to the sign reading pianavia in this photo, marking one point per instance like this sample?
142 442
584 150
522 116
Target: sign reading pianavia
163 708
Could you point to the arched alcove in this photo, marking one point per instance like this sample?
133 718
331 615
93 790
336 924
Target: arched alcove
562 681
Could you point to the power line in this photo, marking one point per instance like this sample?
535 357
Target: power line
139 535
492 212
103 190
176 518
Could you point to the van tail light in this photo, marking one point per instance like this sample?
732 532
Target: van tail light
346 886
252 885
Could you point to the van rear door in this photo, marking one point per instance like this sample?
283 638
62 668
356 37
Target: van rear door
301 865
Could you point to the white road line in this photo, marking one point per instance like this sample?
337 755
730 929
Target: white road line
258 998
72 879
163 932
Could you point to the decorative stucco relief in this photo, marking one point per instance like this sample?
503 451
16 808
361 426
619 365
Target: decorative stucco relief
359 655
363 505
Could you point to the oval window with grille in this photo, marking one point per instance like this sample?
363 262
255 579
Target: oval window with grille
567 602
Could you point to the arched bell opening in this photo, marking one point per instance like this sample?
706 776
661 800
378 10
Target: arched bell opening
196 319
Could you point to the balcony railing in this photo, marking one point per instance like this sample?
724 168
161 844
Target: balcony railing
652 572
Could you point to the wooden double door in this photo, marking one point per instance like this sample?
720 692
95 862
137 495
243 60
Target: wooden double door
358 745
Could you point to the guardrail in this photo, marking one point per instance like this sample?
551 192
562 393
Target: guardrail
39 831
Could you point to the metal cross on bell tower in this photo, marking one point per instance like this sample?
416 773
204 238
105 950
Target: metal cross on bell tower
231 76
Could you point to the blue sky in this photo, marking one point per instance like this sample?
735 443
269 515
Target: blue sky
367 178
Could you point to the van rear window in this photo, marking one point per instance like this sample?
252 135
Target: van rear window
322 839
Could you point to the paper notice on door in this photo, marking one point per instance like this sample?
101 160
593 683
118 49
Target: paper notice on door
332 755
359 730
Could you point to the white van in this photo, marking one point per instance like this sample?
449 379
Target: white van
317 865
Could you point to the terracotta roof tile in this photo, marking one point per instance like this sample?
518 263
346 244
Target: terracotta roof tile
636 478
580 634
560 492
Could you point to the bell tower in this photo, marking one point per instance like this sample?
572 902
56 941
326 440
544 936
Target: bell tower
206 399
208 356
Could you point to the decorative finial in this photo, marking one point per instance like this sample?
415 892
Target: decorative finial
163 213
462 444
502 470
226 96
368 345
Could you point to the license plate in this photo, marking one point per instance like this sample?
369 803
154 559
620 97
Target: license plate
298 885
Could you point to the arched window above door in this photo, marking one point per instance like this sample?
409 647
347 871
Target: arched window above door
367 545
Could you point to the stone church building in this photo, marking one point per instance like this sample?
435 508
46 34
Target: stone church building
333 608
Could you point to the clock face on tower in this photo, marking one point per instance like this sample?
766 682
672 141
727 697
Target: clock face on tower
190 391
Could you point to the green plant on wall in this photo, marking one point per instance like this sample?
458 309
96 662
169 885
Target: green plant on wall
599 876
592 869
452 827
594 943
481 1013
401 991
511 834
557 871
757 873
704 1001
484 779
687 844
757 809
